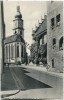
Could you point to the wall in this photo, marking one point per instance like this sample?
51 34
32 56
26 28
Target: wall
53 9
2 36
0 40
15 59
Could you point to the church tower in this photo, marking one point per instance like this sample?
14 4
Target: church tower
18 23
15 48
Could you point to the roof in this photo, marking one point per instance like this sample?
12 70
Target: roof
42 28
13 38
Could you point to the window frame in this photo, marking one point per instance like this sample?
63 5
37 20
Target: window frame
12 51
52 22
54 43
61 45
22 51
17 50
58 18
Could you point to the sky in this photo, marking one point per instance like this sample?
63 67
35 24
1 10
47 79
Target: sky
31 11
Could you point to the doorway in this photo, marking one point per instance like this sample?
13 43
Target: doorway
52 63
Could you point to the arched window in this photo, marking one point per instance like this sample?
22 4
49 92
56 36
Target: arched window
54 42
6 52
9 51
61 43
21 32
17 50
52 63
12 51
22 50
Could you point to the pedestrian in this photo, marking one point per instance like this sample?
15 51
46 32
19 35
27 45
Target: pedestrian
47 67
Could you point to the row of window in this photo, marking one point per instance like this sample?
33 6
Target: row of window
57 21
11 53
60 43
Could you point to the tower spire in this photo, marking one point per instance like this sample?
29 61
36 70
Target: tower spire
18 8
18 22
18 13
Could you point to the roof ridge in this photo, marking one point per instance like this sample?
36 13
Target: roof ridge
13 38
9 36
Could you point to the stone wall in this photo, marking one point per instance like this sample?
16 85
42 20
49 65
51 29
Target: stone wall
2 36
53 9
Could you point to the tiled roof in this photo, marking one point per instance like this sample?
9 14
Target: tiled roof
42 27
13 38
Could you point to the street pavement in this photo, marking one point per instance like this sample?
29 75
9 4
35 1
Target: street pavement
17 83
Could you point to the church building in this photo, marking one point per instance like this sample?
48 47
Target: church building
14 46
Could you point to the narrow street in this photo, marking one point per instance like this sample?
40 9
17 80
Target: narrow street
19 80
31 50
24 82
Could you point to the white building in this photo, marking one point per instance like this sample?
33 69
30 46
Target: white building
14 46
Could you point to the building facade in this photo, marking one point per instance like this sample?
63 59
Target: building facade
14 46
55 35
39 46
2 36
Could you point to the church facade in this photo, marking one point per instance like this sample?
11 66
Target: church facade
14 46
